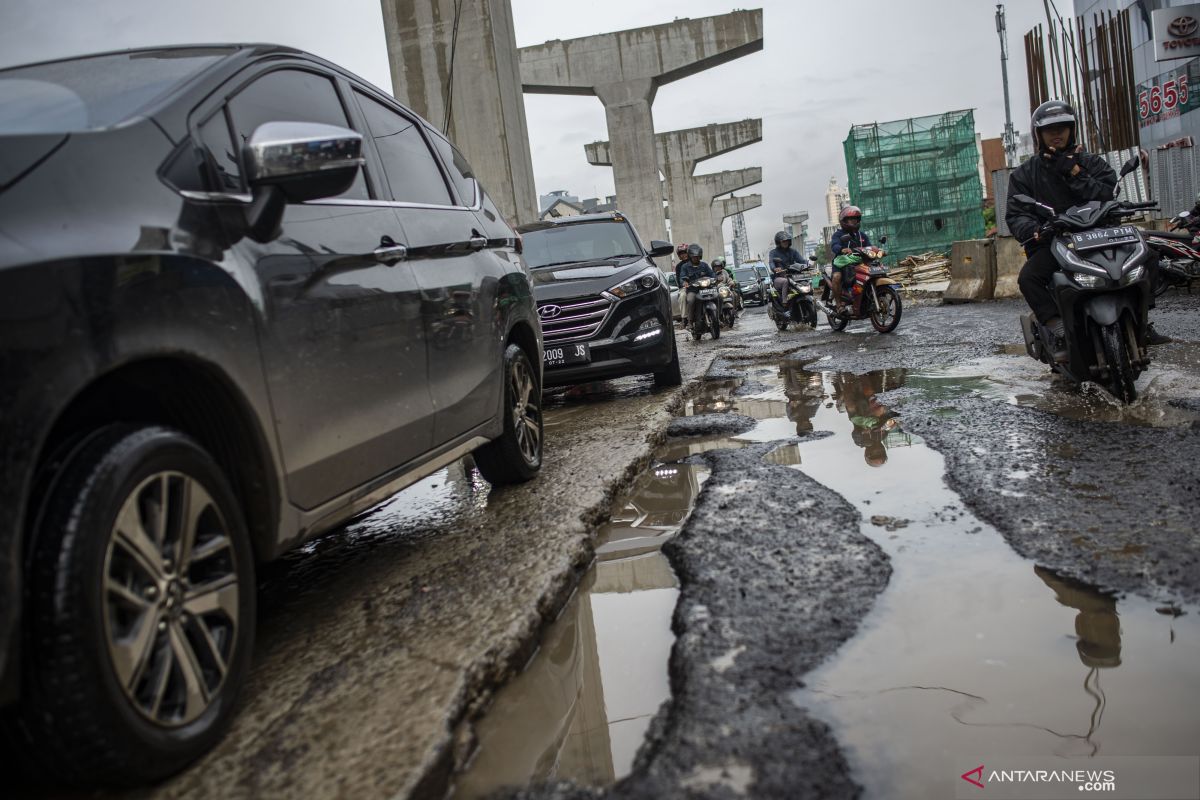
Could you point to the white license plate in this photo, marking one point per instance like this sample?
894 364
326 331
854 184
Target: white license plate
1104 237
707 294
566 354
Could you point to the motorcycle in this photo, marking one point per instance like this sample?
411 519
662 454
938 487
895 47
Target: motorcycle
799 302
1178 249
729 305
871 294
707 317
1102 291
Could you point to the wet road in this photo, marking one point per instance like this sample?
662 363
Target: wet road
856 562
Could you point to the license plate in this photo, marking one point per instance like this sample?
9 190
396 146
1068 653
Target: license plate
708 294
1105 237
566 354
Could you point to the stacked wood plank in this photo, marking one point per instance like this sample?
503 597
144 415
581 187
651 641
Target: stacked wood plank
930 267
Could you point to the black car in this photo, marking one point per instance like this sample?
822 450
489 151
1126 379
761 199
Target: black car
752 286
604 304
244 296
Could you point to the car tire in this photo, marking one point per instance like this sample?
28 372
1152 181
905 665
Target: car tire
516 456
670 375
118 708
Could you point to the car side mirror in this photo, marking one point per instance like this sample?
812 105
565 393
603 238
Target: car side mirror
293 162
660 248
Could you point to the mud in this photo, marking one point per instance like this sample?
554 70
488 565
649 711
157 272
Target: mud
710 425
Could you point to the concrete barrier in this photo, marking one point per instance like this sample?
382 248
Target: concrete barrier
972 271
1010 257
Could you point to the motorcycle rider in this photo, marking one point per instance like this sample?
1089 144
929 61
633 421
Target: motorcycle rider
691 271
681 258
1060 175
724 278
846 236
782 258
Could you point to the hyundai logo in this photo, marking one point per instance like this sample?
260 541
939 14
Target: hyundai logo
1182 26
549 312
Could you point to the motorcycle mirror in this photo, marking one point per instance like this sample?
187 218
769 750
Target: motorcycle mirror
812 259
1026 200
1130 165
883 240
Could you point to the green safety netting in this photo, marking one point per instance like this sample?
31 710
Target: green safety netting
917 181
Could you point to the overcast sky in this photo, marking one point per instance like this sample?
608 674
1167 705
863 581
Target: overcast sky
825 66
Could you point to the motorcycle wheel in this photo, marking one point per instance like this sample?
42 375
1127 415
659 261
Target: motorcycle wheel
836 322
886 317
714 323
1120 371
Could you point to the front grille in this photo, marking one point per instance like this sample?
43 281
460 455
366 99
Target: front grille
578 318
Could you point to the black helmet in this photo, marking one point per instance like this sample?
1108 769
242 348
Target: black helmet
695 250
718 263
1052 112
781 237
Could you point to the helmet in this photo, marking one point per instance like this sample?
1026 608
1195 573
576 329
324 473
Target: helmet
718 263
781 237
851 215
695 250
1052 112
681 249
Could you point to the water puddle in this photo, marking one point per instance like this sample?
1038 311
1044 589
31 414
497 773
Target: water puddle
581 709
972 651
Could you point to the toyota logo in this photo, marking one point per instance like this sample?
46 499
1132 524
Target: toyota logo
1182 26
549 312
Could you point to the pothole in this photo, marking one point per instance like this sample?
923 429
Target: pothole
581 709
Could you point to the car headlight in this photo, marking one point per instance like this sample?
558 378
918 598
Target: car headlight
644 281
1133 275
1087 281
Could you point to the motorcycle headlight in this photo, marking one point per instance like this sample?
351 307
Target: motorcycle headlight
1087 281
1133 275
644 281
1072 258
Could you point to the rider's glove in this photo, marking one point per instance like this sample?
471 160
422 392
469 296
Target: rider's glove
1047 232
1064 162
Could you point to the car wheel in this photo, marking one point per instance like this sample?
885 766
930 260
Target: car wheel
517 455
141 610
670 375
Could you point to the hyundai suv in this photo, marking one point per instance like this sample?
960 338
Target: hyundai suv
605 306
244 296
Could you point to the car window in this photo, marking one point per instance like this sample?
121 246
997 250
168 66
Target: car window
285 95
460 171
578 241
411 170
94 92
215 137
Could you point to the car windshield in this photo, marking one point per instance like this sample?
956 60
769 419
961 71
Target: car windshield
579 241
94 92
745 275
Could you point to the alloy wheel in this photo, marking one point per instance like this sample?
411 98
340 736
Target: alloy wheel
526 411
170 598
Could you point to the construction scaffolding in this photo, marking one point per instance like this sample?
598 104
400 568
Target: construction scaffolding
917 181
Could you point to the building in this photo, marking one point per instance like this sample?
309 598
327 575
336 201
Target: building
547 200
836 198
917 181
561 208
992 153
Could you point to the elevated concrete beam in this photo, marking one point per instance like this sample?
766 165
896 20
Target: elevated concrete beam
487 113
624 70
725 207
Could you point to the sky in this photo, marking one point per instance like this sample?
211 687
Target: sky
825 66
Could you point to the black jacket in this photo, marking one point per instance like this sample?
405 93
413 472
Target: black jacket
1037 178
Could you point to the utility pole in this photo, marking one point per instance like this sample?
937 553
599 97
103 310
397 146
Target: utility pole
1010 136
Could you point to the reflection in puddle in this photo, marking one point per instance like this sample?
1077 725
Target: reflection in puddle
581 709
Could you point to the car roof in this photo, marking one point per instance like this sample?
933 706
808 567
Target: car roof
541 225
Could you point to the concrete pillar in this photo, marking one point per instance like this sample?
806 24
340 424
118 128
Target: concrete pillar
722 208
483 90
678 154
624 70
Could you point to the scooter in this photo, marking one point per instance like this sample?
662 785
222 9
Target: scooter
871 294
707 317
799 302
1178 249
1102 291
729 305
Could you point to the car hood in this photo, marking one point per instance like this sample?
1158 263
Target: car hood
584 278
19 154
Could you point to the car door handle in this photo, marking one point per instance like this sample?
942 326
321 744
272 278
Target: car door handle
478 242
390 254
